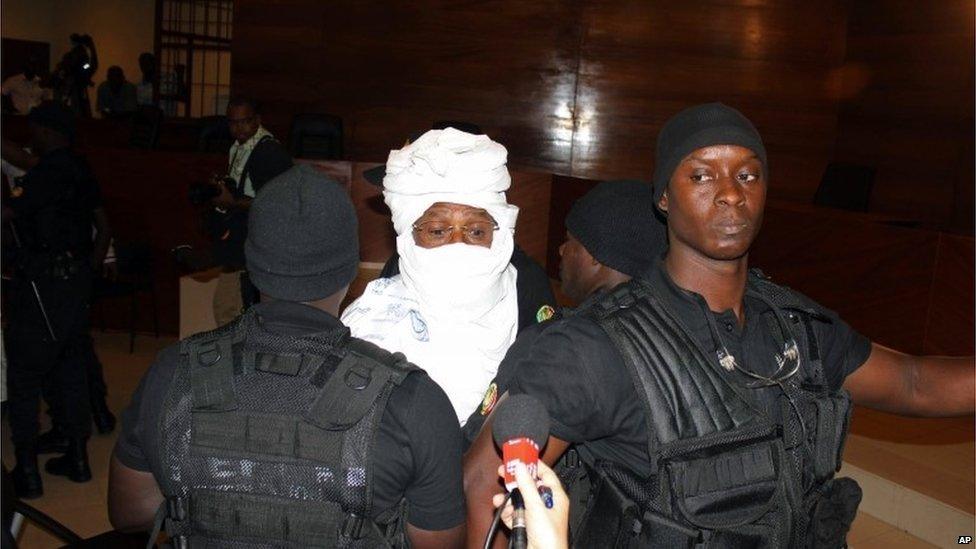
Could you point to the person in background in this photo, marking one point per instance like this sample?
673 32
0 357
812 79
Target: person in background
256 157
24 89
52 212
319 439
145 88
454 308
612 235
116 96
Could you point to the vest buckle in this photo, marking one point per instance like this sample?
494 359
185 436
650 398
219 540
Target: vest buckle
358 377
353 526
572 458
175 508
208 353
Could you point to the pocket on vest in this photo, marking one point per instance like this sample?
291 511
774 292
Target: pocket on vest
738 489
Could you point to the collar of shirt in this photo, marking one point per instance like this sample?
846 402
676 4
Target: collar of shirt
295 319
690 308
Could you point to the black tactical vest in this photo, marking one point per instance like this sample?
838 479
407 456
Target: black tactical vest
267 440
723 473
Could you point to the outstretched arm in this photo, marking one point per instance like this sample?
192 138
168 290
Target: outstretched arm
925 386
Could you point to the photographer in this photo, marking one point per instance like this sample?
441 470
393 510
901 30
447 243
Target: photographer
73 75
256 157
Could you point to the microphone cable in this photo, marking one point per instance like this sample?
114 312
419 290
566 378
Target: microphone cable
496 521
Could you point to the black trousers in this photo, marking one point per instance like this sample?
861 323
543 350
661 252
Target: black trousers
34 358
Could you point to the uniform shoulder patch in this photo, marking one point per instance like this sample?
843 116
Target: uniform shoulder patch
490 399
544 313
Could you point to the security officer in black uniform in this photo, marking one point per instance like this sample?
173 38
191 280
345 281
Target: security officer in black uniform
612 235
279 429
707 406
51 210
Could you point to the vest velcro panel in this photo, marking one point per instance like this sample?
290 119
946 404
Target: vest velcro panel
232 515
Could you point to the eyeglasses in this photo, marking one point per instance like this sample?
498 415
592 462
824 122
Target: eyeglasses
436 233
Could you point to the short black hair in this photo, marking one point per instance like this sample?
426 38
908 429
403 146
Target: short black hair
243 100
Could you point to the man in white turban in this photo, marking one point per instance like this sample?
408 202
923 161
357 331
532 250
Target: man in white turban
453 309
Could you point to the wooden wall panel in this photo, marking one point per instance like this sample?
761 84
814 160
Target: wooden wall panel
877 277
908 107
950 329
642 62
392 69
569 87
581 88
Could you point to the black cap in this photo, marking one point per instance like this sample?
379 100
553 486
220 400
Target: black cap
302 241
54 116
618 226
701 126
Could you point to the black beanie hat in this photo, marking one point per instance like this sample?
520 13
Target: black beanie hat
302 240
701 126
616 223
54 116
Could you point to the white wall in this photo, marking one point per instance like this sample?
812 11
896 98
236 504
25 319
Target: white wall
122 29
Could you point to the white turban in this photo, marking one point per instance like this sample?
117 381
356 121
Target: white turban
462 299
448 166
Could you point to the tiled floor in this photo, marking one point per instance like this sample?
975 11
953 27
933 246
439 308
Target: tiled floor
935 457
82 507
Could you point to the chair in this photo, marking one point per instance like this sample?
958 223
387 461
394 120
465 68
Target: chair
15 512
317 136
135 276
846 187
214 135
145 127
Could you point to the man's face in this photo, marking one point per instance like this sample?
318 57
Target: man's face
243 122
577 269
715 201
449 223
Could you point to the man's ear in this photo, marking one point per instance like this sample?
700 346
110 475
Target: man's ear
662 204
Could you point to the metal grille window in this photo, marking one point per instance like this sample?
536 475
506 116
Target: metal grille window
193 50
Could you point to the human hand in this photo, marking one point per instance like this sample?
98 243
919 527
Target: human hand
546 528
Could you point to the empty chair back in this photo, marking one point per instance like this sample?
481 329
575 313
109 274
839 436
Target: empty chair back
214 135
846 187
317 136
467 127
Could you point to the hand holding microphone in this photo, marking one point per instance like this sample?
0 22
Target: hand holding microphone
547 528
521 428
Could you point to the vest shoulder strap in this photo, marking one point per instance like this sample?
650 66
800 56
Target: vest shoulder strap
800 310
211 366
362 376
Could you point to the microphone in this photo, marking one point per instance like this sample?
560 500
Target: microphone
520 537
520 427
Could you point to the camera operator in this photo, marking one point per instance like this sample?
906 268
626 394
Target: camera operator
256 157
73 75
